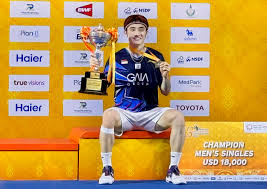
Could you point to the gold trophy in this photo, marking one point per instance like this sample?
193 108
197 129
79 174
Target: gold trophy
95 82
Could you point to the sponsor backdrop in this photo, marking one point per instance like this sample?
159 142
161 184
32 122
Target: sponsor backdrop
216 55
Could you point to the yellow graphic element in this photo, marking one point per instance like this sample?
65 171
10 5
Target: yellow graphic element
39 165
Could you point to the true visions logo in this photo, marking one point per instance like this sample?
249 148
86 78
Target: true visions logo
28 107
31 58
28 82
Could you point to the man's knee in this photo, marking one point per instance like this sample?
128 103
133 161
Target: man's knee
174 117
111 118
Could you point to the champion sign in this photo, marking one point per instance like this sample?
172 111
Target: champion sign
191 107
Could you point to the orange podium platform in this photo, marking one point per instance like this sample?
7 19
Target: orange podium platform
137 155
38 159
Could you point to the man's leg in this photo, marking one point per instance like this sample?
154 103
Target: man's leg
111 121
174 119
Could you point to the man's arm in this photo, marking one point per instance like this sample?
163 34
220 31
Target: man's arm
165 87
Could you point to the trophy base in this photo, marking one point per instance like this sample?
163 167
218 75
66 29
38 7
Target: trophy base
94 83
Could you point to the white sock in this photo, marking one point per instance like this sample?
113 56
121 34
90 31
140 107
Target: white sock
175 158
106 158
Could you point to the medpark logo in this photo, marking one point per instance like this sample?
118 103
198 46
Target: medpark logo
83 108
190 11
86 10
130 11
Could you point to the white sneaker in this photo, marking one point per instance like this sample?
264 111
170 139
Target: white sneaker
107 176
174 176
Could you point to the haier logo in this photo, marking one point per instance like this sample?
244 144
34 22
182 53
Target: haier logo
28 107
191 107
83 9
28 82
86 10
72 83
149 10
30 9
190 35
29 34
138 79
189 83
82 108
31 58
190 59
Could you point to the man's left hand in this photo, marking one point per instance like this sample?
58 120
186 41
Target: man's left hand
164 69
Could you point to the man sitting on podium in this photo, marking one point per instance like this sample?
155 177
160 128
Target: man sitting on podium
136 99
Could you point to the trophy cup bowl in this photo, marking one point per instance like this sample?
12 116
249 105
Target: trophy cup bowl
95 82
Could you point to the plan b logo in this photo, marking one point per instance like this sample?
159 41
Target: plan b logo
86 10
29 33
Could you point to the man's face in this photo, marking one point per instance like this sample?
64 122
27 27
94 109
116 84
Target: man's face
136 34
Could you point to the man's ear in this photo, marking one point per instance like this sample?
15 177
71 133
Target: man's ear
125 32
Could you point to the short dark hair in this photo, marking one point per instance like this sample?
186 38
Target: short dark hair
136 18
